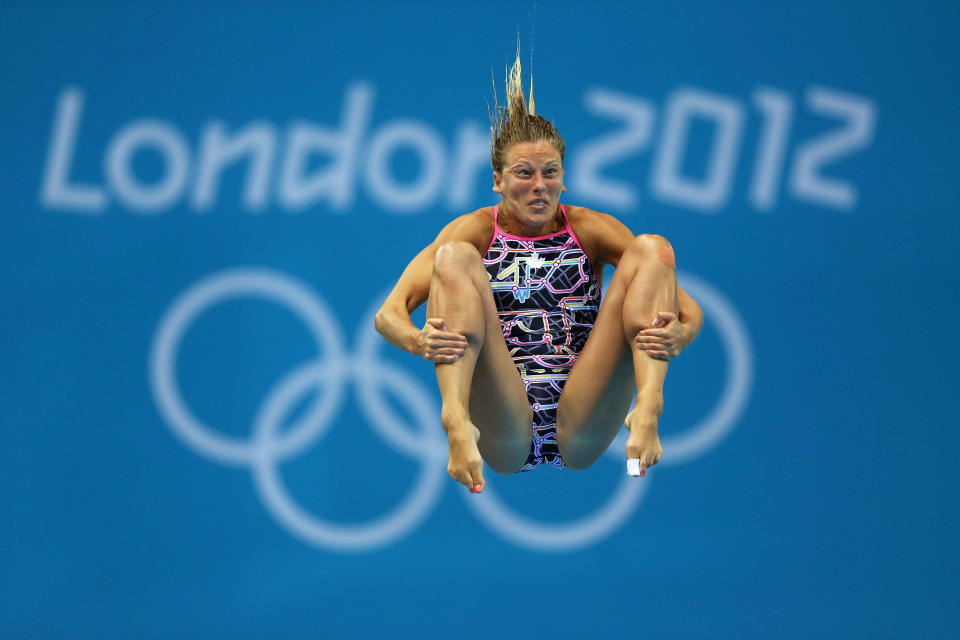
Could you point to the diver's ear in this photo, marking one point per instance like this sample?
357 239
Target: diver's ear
497 180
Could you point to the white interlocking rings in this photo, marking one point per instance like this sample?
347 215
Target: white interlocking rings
739 376
208 293
326 377
387 528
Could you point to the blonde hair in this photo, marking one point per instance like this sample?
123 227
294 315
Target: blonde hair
514 123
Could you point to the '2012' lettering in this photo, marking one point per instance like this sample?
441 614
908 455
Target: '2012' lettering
281 166
711 191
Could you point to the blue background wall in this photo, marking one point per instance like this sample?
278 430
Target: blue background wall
276 469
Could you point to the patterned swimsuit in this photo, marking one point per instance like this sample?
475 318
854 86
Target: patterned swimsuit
547 296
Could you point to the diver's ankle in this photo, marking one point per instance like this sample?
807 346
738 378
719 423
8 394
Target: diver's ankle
649 403
641 421
456 421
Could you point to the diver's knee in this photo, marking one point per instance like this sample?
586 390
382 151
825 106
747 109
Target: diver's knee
455 258
652 247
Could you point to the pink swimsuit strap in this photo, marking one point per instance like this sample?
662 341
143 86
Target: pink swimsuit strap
497 231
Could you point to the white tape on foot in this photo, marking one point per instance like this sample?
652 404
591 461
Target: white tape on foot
633 466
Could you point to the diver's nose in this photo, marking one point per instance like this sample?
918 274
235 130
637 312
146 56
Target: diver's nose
539 185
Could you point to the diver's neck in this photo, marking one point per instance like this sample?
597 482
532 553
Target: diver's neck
525 228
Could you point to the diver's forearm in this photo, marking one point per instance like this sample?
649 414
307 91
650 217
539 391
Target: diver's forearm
396 326
691 320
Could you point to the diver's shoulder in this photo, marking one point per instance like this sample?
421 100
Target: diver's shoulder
480 220
584 219
476 227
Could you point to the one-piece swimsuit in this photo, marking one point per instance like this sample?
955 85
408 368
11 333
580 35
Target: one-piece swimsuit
547 296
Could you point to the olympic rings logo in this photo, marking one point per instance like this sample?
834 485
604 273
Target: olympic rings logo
327 377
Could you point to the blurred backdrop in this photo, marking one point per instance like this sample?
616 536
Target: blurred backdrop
204 203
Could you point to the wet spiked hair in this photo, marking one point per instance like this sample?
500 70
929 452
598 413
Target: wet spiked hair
514 123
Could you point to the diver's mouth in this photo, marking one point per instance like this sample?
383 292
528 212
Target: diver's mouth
538 204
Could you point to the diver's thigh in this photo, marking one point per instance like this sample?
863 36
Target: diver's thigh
498 399
601 385
499 408
498 404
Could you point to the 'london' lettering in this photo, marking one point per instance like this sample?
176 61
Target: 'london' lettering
316 165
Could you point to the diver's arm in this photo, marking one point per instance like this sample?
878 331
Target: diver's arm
433 341
671 333
691 317
393 318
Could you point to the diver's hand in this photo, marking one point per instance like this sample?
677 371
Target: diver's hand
438 345
664 340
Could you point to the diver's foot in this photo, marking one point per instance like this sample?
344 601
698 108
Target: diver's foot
643 445
464 463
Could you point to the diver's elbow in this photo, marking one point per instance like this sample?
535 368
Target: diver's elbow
378 320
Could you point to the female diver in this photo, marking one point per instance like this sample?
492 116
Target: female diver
532 368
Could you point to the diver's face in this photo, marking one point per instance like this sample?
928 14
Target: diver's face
531 182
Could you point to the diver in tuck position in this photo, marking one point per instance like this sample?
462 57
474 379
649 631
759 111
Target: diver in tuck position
532 368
